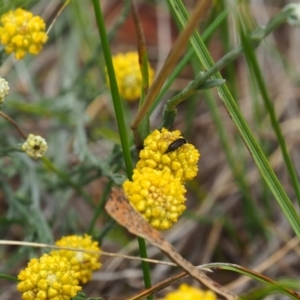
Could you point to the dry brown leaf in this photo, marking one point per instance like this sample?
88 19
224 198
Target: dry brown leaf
119 208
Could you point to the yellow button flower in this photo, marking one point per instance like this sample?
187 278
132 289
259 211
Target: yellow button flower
49 277
84 263
35 146
157 195
128 75
186 292
182 162
21 32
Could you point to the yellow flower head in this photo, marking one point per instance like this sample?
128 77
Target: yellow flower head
182 162
49 277
186 292
128 75
35 146
157 195
22 32
81 262
4 89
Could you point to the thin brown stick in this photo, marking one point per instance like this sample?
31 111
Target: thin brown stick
10 120
170 62
141 43
159 286
57 15
143 62
103 253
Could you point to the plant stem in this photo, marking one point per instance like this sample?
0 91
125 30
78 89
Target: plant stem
170 61
114 89
120 121
99 207
11 121
144 126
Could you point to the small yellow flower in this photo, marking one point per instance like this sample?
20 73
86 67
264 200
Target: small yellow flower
22 32
4 89
81 262
128 75
186 292
182 162
157 195
35 146
49 277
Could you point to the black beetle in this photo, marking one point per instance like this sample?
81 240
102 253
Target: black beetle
176 144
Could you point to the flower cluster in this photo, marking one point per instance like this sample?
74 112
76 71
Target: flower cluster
128 75
157 195
157 188
181 163
4 89
56 276
35 146
186 292
22 32
81 262
49 277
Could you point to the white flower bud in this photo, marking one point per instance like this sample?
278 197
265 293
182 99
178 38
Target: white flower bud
35 146
294 16
4 89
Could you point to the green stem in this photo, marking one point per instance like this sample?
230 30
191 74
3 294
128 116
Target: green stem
99 208
8 277
145 265
114 88
120 120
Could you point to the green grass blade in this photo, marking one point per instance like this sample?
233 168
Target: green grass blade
242 126
253 219
257 74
